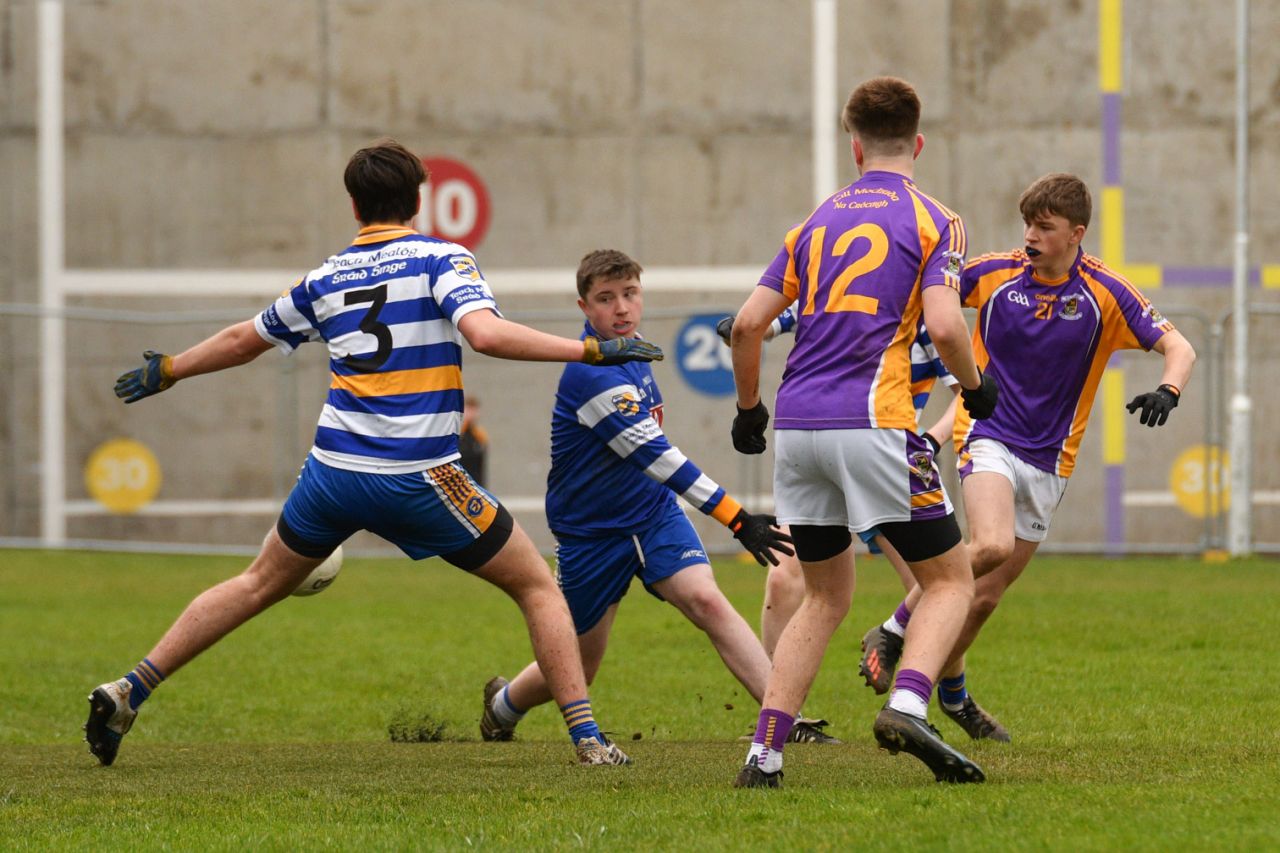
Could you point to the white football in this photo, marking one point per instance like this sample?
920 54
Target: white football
322 575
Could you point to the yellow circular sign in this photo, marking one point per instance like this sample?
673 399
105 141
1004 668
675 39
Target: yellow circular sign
1199 480
122 475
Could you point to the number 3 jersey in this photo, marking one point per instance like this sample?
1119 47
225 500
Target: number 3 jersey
1047 344
858 266
388 308
613 471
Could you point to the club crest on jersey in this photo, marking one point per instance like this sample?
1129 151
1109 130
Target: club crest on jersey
626 403
954 264
923 467
1154 314
1071 307
465 266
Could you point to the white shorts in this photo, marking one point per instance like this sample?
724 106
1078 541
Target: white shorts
1036 493
855 478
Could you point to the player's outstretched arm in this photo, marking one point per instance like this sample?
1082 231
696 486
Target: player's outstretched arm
1179 358
943 429
231 347
492 335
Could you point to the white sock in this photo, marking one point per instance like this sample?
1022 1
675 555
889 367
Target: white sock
768 760
893 626
908 703
506 713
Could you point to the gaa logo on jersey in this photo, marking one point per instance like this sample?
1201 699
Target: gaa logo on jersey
465 266
1071 307
1019 297
626 403
923 467
475 506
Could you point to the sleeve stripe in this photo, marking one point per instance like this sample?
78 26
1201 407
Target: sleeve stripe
666 465
702 491
601 405
632 438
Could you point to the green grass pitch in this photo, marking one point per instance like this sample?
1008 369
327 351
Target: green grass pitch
1141 694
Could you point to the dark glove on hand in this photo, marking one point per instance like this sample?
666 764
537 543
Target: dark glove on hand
758 534
152 378
934 444
619 351
725 328
1156 405
980 402
748 429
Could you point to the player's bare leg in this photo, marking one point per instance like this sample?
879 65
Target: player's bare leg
529 689
783 592
216 612
519 570
828 593
989 497
946 583
900 566
694 593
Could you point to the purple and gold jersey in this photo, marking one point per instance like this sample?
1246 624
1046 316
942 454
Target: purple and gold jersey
858 266
1047 343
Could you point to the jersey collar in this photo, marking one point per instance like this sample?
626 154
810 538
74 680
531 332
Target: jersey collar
380 234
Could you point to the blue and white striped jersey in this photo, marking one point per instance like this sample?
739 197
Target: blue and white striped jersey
388 309
613 471
926 368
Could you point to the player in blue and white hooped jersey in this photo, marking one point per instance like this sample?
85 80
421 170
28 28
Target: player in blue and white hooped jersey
607 440
392 309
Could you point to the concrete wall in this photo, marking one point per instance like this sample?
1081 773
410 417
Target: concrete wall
214 134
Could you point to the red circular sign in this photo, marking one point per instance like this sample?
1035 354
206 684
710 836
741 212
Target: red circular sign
455 203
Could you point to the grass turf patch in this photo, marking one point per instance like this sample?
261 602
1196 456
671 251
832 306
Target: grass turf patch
1140 695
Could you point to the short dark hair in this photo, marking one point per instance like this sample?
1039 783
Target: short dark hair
884 113
1057 194
605 265
383 180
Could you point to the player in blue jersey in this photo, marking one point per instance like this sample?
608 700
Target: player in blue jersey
392 309
607 440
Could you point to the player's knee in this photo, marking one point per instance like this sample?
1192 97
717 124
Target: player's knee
986 556
984 603
706 607
784 586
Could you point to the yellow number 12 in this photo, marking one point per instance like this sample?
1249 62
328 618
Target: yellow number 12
839 299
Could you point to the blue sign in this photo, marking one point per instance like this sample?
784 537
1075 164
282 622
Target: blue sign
703 359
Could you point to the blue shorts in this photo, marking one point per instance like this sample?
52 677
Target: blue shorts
595 571
440 511
868 538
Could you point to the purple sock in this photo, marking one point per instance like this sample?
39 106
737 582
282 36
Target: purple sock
915 682
902 615
773 728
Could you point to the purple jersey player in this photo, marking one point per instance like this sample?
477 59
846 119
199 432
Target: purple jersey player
865 267
1048 301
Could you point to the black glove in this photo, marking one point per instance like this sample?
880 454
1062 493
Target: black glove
758 534
748 429
152 378
1156 405
980 402
933 443
619 351
725 328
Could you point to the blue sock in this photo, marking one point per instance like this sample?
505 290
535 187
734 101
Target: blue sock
144 677
577 716
951 692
